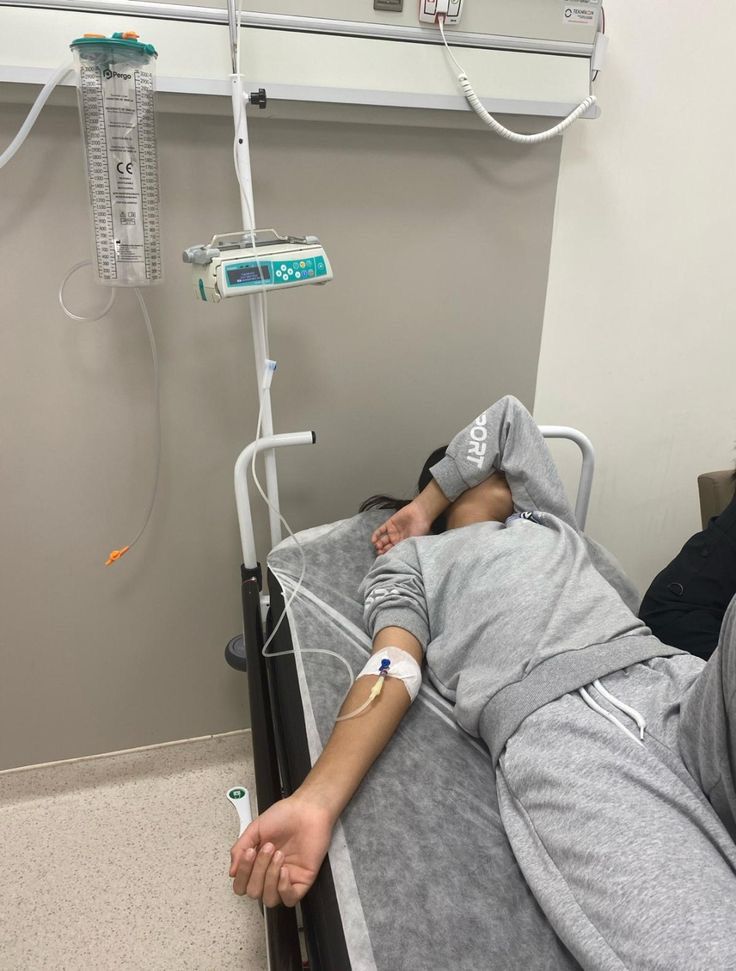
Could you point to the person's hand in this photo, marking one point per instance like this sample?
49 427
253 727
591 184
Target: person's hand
411 520
278 857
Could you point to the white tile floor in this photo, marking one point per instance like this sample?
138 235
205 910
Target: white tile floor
121 862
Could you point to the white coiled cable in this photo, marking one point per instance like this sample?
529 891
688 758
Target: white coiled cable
496 126
513 136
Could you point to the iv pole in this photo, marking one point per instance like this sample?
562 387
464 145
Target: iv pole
257 301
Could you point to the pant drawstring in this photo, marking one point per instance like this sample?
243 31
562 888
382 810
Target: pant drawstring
591 703
617 703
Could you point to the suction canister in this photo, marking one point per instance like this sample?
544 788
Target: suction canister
115 85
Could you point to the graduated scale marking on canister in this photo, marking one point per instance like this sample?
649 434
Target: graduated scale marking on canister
116 84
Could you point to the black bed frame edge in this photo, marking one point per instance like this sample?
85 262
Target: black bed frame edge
281 761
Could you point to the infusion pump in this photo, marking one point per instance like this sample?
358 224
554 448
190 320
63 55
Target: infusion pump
237 264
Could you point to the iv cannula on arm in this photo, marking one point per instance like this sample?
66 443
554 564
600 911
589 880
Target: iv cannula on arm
278 857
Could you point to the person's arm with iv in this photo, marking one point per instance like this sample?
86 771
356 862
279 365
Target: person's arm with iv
278 856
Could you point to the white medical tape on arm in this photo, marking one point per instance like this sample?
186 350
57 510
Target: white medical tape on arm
402 666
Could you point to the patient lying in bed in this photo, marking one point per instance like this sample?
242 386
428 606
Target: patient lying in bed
610 749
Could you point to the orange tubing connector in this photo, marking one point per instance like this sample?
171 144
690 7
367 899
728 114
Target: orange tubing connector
116 554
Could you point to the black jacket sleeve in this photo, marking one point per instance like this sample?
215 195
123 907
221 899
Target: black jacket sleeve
686 602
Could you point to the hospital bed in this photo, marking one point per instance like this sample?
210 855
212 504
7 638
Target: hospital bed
419 874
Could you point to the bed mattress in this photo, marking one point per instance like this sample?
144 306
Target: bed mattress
423 873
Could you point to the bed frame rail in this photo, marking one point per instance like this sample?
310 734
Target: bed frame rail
282 935
585 482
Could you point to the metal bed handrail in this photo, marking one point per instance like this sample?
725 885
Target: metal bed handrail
242 494
585 483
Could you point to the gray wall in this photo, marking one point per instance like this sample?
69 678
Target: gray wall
440 244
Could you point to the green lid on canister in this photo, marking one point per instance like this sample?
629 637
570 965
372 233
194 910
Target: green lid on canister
126 39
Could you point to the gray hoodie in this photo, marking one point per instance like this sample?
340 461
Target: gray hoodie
510 616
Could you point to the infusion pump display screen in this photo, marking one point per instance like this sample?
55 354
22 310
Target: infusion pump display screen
248 273
234 276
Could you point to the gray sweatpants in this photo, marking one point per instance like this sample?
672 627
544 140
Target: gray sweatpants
629 849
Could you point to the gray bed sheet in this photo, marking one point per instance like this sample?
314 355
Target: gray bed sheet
424 875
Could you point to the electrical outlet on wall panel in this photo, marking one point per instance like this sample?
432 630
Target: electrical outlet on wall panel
429 10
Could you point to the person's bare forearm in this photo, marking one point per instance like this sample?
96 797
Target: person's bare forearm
355 744
432 500
277 857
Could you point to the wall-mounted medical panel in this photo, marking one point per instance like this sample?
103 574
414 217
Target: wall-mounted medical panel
305 59
549 21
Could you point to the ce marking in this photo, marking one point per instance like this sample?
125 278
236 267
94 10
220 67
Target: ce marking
124 167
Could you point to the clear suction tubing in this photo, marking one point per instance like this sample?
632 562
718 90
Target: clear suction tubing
115 85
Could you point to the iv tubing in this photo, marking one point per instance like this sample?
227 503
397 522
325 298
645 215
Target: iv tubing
374 693
67 311
116 554
5 157
295 591
157 405
246 460
33 114
242 499
512 136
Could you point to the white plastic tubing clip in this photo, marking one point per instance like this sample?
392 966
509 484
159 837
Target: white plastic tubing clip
268 371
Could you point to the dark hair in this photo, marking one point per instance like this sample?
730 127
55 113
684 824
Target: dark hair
425 477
